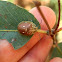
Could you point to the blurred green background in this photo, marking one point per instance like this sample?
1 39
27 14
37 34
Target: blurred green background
53 4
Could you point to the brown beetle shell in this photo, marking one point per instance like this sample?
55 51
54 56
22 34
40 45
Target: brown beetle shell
27 28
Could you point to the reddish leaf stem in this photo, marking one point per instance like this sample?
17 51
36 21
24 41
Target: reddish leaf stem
37 3
58 16
60 29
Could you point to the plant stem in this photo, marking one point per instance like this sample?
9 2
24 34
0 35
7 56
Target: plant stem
58 16
41 31
60 29
58 48
8 30
41 13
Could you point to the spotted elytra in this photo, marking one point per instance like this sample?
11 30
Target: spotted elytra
27 27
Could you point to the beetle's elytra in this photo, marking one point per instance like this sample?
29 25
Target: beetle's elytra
27 28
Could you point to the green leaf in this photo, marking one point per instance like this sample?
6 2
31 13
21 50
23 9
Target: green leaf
10 16
56 53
